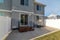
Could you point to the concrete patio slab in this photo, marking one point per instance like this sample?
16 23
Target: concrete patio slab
16 35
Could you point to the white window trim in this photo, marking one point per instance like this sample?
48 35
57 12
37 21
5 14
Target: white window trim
16 11
23 11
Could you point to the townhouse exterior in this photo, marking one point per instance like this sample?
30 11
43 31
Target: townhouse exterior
23 12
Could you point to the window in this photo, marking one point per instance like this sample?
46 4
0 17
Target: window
37 17
1 1
38 7
24 19
24 2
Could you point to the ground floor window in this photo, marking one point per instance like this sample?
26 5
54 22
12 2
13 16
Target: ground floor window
37 17
24 19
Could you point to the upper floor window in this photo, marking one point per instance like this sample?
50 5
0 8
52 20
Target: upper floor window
24 2
1 1
38 7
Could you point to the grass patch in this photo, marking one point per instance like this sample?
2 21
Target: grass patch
53 36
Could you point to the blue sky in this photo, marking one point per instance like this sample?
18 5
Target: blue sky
52 6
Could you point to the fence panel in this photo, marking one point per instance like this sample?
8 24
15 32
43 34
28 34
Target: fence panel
55 23
5 26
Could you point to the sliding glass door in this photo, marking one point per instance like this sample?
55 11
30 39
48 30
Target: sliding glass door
24 19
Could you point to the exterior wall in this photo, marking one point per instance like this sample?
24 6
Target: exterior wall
15 19
31 20
17 6
40 21
41 12
7 4
15 16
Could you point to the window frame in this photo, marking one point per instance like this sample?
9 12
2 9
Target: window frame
38 8
37 17
24 2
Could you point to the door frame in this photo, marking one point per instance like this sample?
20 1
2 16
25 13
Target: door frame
20 19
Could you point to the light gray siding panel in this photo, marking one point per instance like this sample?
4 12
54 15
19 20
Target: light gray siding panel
7 4
15 19
17 6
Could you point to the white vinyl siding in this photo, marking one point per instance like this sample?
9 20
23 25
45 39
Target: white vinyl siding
1 1
26 2
1 14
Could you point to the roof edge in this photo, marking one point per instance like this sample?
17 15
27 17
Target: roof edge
39 3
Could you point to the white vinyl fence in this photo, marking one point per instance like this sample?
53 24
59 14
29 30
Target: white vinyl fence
5 26
55 23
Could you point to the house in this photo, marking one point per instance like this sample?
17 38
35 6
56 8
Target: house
54 16
23 12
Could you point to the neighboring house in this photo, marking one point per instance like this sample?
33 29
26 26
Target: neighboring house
58 16
53 16
23 12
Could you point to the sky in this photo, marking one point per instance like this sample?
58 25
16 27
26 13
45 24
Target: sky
52 6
